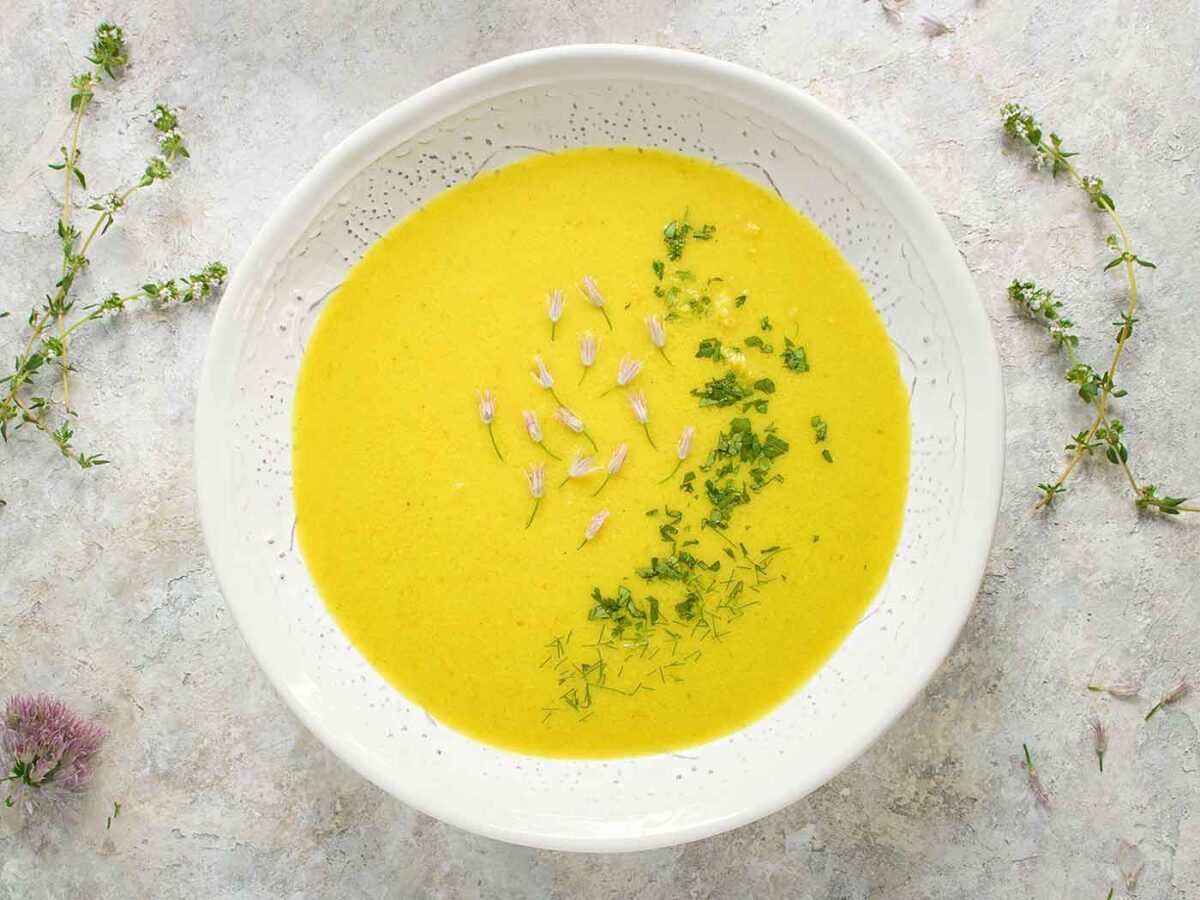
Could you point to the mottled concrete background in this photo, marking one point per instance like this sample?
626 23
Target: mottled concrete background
107 598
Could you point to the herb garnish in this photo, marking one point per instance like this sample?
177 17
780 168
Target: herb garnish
755 341
794 356
1094 388
677 232
710 348
50 329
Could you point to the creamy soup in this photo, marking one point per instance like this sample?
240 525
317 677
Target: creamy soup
627 556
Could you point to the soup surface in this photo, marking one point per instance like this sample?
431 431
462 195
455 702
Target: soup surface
658 606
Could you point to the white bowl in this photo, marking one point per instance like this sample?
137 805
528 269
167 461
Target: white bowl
495 114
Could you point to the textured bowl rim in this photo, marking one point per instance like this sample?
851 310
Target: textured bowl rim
983 421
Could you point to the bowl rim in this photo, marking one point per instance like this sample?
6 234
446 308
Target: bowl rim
983 466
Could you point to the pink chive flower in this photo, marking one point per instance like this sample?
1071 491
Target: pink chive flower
1122 690
642 413
592 294
614 465
682 449
536 476
554 309
658 334
46 752
594 527
934 27
1099 738
529 417
573 422
487 412
580 467
588 345
1040 794
626 371
1176 693
543 377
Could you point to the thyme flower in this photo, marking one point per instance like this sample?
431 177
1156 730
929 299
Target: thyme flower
642 413
658 334
554 309
580 467
529 417
614 465
592 294
593 527
575 423
587 352
682 449
536 476
1176 693
46 752
487 412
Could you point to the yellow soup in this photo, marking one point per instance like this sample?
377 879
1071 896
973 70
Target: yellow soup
716 583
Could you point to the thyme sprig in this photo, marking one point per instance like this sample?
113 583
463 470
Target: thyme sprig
52 325
1095 387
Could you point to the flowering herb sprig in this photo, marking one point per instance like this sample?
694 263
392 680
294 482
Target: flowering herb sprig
1095 387
682 449
51 327
588 345
1176 693
614 465
658 335
593 527
487 412
641 412
536 476
554 309
592 294
534 429
46 752
574 423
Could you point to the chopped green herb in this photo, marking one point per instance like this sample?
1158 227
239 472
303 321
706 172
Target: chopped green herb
820 428
739 301
765 386
794 356
827 456
684 275
765 324
755 341
710 348
723 391
659 268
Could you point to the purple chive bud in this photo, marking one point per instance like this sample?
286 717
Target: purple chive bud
1099 739
934 27
1040 794
1122 690
46 752
592 294
594 526
554 309
1176 693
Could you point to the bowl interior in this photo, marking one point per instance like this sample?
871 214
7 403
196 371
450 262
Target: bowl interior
548 100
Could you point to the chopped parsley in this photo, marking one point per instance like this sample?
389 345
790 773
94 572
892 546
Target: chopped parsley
709 348
755 341
677 232
765 324
794 356
659 268
820 428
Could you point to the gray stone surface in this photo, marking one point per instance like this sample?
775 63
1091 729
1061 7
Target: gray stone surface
107 597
